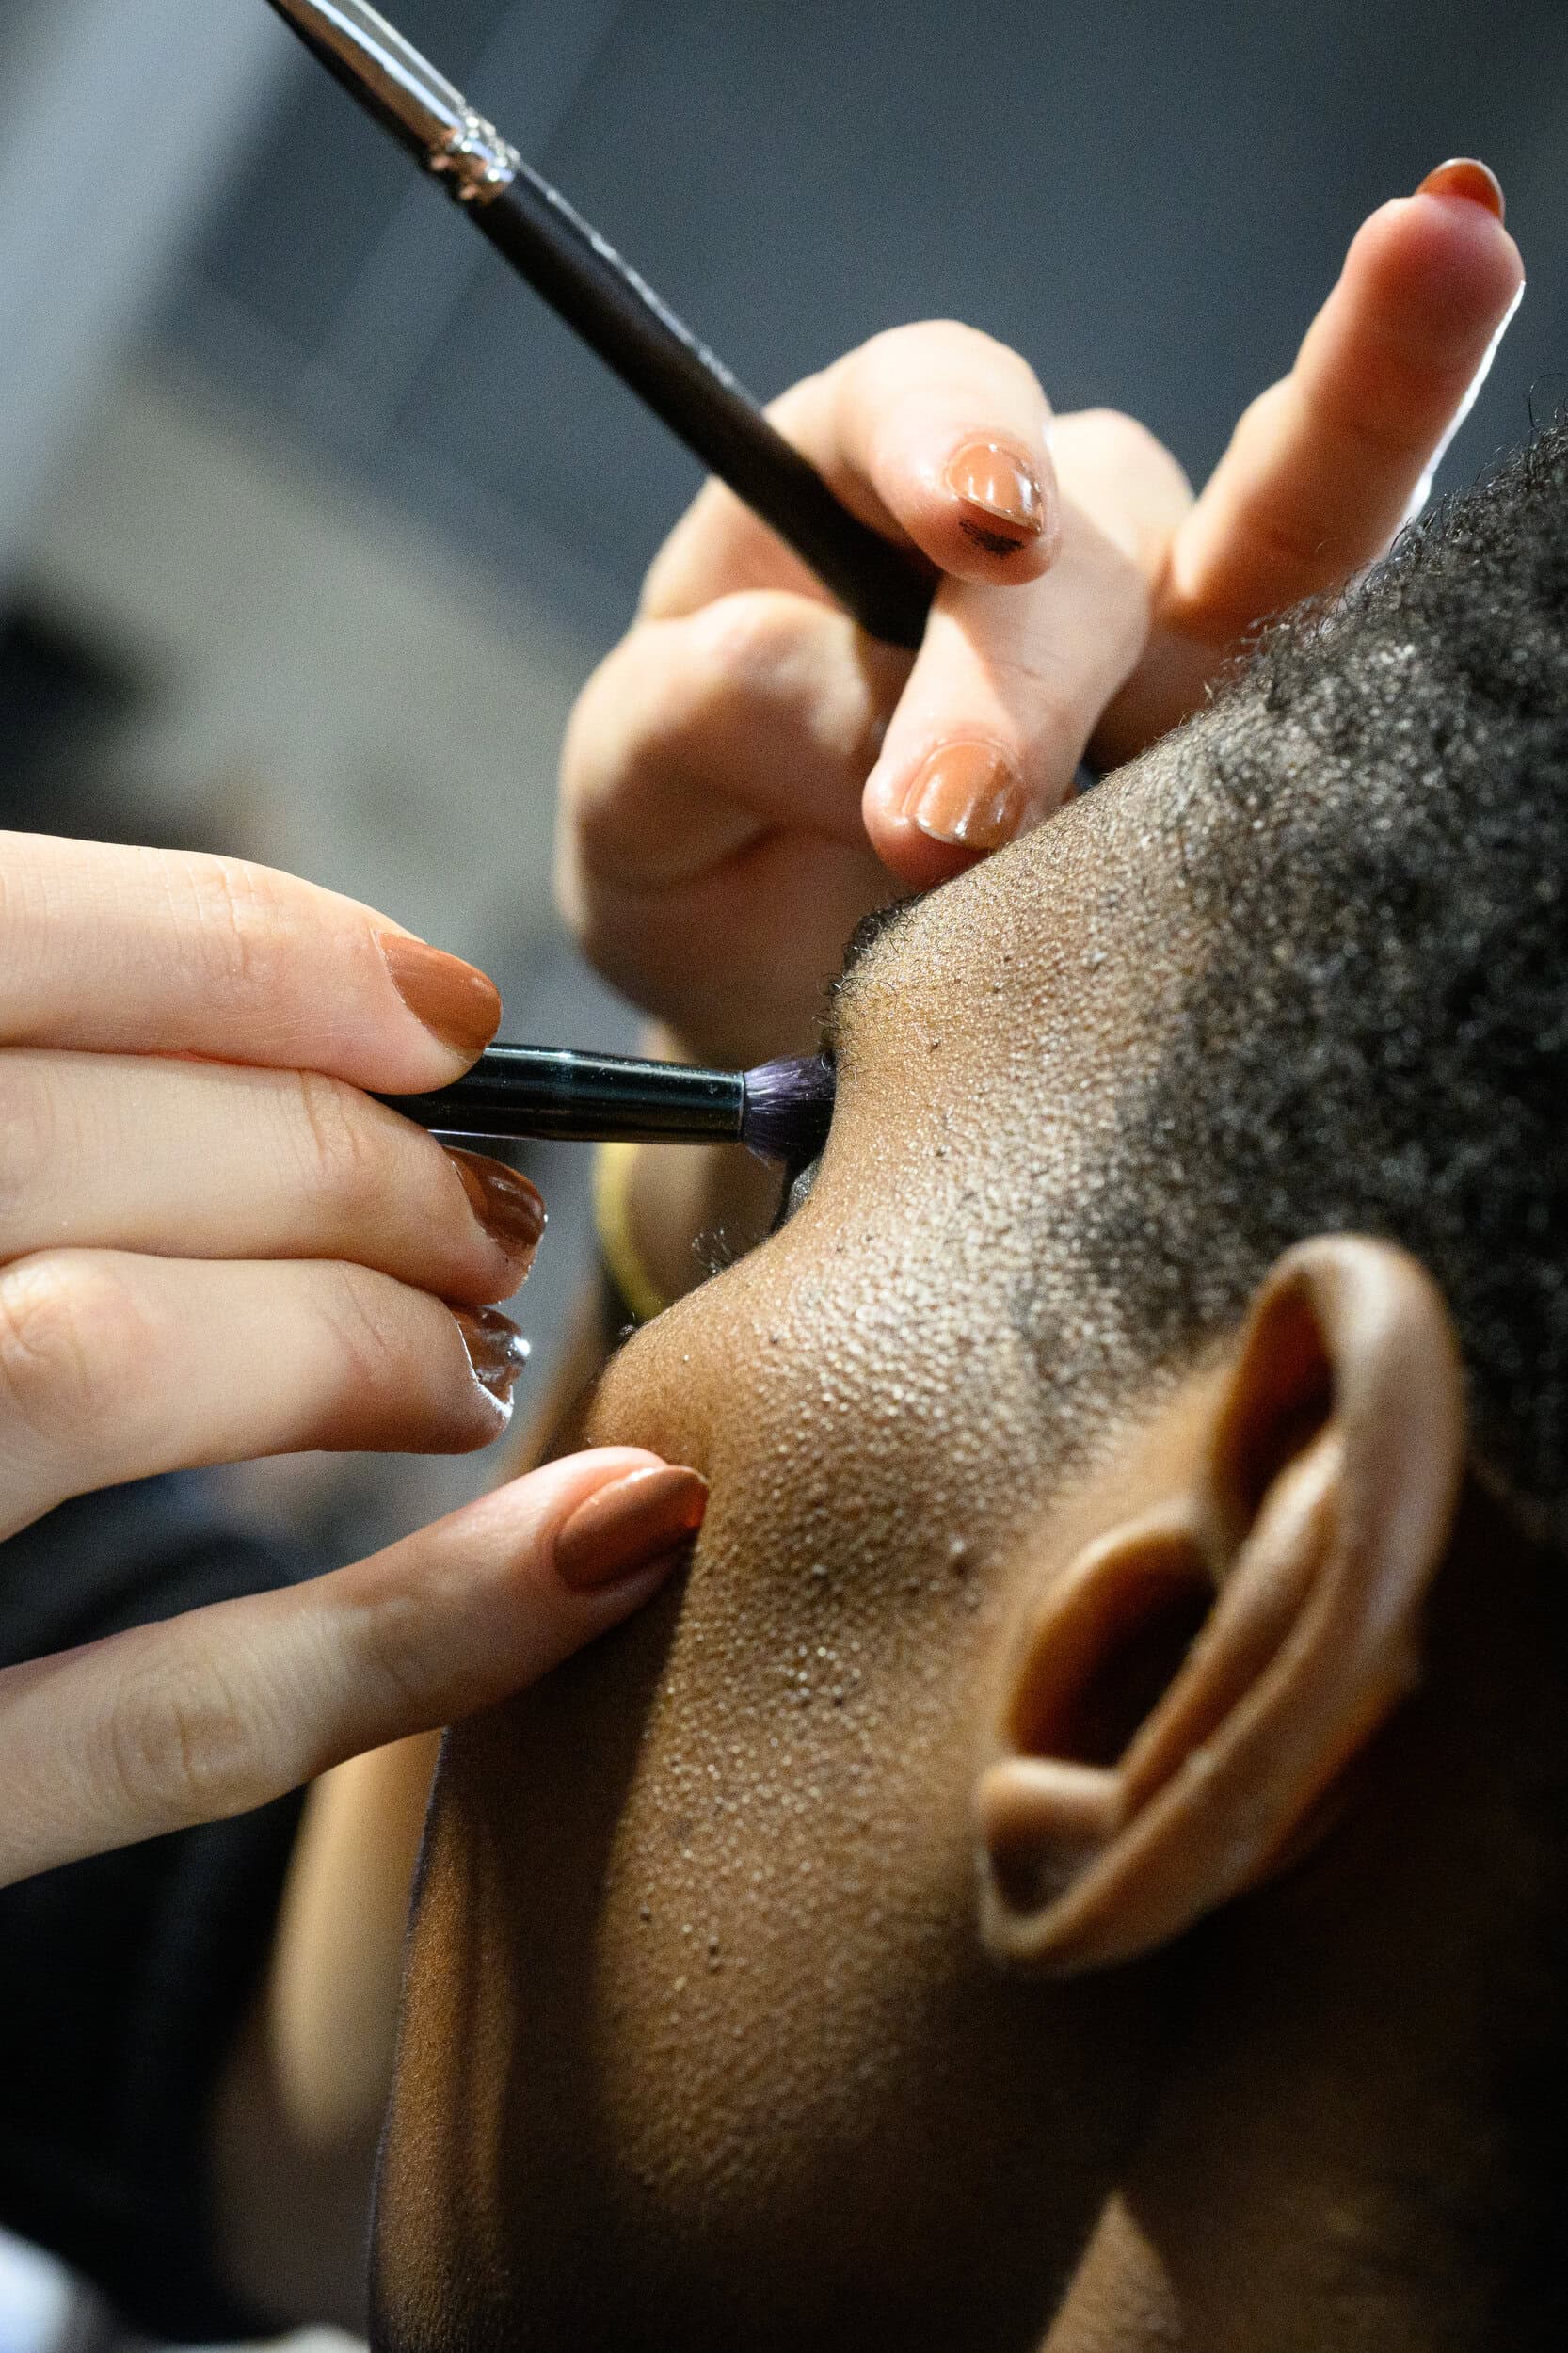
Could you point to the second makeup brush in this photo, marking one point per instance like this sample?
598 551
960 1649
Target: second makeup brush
616 312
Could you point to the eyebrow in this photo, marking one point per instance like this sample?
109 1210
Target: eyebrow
863 938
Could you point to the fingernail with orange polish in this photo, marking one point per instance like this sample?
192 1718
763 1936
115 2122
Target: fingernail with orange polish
1007 508
969 795
1465 175
455 1002
510 1209
623 1528
496 1348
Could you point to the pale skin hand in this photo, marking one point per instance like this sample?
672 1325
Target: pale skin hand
736 772
205 1260
214 1245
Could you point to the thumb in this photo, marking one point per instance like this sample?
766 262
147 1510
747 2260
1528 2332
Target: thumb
227 1707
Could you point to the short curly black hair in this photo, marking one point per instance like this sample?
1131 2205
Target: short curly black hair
1372 825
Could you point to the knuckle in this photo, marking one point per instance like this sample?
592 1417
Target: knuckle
1112 434
605 733
70 1331
399 1642
367 1317
1291 543
1036 692
661 703
1382 439
342 1153
177 1744
968 352
1102 420
1104 458
232 910
977 349
736 642
1055 717
36 1140
570 881
805 395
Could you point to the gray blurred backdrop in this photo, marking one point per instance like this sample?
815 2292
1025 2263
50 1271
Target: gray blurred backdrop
312 520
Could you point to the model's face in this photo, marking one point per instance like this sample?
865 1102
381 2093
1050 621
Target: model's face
702 2048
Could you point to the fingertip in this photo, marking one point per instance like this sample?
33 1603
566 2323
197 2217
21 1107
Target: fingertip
506 1205
496 1356
914 857
1467 176
453 1002
1440 249
630 1528
1004 500
983 505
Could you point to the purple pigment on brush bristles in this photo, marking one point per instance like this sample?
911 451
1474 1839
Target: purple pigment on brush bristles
788 1106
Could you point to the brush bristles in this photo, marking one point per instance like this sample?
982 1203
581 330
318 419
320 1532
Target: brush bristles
788 1106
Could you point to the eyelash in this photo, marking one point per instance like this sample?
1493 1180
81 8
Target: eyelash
797 1184
799 1176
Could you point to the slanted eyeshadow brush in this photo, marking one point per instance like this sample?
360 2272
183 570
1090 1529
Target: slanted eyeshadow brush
614 311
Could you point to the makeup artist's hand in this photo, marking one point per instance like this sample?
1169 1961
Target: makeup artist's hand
213 1245
748 775
206 1260
213 1713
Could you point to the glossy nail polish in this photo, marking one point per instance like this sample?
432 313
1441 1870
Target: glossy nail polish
496 1348
967 794
1465 175
510 1209
624 1526
459 1005
1005 507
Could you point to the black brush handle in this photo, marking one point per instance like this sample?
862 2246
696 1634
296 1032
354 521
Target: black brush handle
522 1091
621 318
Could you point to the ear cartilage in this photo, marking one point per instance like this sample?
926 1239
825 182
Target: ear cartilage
781 1110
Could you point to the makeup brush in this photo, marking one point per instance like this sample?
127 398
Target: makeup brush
781 1110
616 312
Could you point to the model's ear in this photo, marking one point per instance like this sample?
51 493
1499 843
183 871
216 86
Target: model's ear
1192 1682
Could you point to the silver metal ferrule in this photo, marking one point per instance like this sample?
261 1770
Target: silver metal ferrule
459 146
475 160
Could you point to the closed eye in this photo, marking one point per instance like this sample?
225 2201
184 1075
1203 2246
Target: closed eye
867 933
799 1185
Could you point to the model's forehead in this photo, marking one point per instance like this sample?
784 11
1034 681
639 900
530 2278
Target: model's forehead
1058 922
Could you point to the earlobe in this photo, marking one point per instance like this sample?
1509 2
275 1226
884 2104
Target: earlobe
1191 1683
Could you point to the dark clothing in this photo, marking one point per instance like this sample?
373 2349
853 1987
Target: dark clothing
124 1978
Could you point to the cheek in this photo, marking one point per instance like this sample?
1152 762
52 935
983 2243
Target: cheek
711 1991
789 1890
790 1869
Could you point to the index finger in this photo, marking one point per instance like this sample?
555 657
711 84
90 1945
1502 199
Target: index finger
935 434
1323 467
129 951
